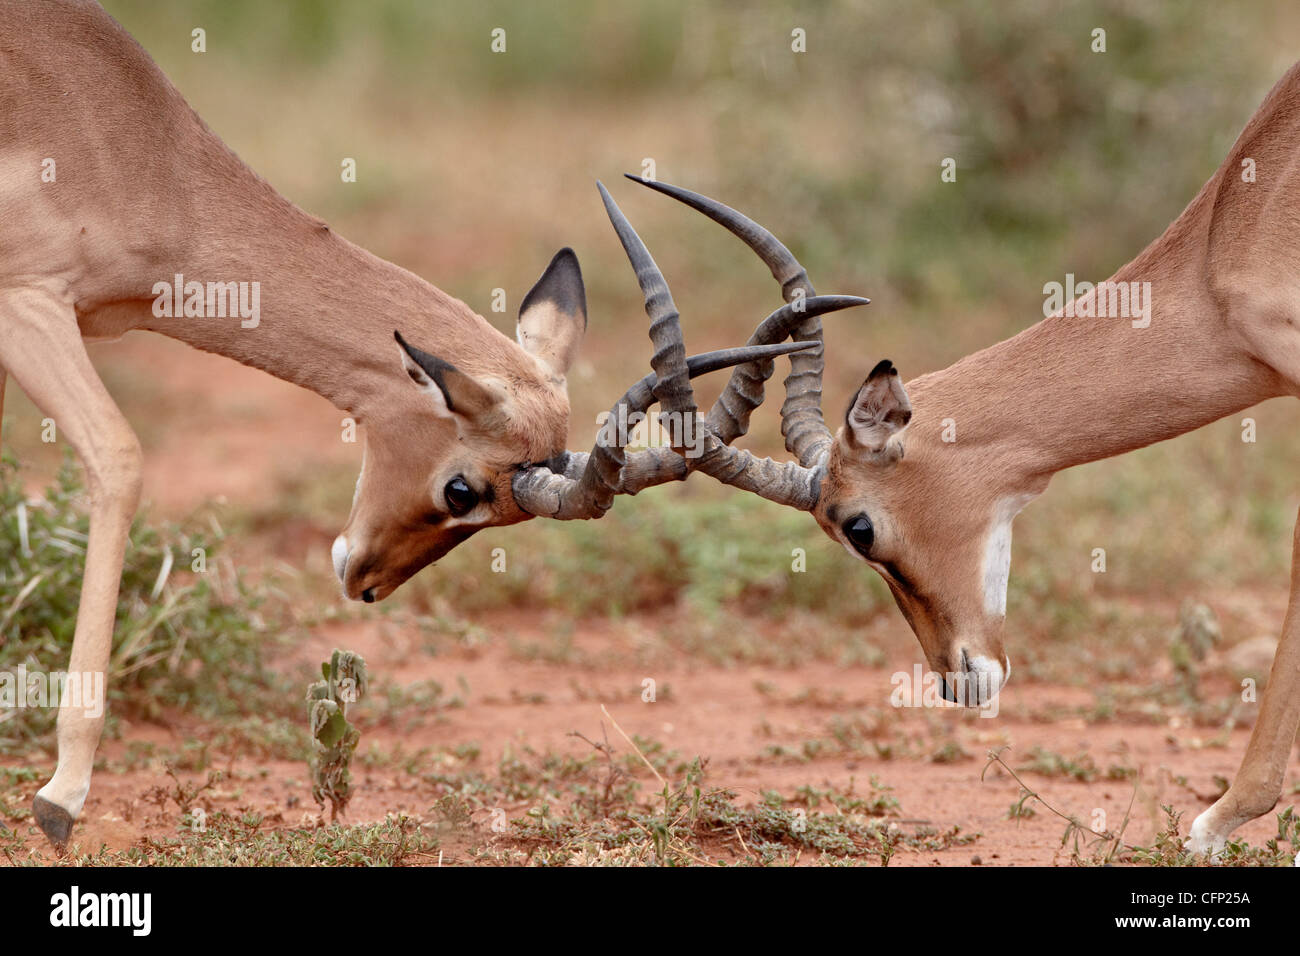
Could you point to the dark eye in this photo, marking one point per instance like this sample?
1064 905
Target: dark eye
860 534
461 498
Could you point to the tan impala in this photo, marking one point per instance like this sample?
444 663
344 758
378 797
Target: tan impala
142 194
1221 331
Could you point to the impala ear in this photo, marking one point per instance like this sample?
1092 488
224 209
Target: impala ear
553 315
452 391
879 411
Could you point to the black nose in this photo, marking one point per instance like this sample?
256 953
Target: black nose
368 595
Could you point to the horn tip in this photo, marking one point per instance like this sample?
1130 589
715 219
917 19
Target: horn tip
605 197
637 178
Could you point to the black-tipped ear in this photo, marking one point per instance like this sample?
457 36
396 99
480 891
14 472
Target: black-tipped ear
553 316
453 392
879 410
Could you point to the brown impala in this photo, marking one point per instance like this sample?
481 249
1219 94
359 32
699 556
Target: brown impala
1220 332
465 436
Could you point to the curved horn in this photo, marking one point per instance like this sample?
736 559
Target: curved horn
578 485
802 424
673 388
790 483
584 486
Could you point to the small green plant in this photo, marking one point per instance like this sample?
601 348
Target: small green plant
950 751
334 739
1198 631
1021 809
1102 845
1170 849
1051 764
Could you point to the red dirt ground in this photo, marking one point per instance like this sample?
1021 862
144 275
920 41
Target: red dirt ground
240 426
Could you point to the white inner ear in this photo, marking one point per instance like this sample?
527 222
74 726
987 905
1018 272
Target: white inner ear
997 552
868 418
550 336
438 400
869 433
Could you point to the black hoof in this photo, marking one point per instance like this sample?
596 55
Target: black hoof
53 820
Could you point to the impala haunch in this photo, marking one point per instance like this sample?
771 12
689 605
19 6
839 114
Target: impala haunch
1219 332
464 428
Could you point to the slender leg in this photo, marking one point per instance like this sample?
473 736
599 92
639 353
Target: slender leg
1258 783
3 374
42 348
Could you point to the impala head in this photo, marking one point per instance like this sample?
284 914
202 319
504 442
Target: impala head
914 515
456 453
438 463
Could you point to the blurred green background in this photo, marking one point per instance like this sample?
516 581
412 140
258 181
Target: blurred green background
474 167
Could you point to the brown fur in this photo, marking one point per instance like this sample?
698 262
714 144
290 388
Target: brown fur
143 191
1224 335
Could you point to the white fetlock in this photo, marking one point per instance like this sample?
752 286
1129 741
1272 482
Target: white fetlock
1204 839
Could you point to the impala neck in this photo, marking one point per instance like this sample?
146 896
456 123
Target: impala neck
327 308
1071 390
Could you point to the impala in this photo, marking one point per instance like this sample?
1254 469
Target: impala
1221 332
467 436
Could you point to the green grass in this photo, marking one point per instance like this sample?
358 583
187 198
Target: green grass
242 840
586 810
1168 847
182 639
1081 768
653 551
1090 847
590 811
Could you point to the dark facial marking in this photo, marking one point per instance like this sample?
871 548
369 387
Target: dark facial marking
892 570
905 597
433 366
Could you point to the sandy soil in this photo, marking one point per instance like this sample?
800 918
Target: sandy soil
241 426
721 714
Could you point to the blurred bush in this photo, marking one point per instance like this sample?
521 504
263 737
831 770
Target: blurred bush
1058 148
